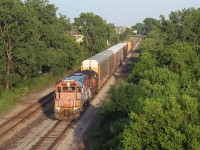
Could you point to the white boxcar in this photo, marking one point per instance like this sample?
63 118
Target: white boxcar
110 55
99 64
118 51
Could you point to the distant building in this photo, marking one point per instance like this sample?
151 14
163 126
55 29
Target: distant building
134 31
120 29
74 33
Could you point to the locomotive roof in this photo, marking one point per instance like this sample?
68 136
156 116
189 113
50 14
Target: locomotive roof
74 77
117 47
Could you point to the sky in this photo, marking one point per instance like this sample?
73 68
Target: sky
122 12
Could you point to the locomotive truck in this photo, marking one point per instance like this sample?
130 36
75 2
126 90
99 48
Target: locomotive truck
74 92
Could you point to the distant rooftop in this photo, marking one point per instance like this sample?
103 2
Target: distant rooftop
74 33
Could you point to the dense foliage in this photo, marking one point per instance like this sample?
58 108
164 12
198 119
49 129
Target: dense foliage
158 107
97 33
33 41
147 26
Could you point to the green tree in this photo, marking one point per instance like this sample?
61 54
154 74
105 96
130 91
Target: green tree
182 25
139 27
17 27
33 39
95 30
162 126
149 24
115 112
126 35
57 52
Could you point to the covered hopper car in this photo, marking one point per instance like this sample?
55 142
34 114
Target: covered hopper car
74 92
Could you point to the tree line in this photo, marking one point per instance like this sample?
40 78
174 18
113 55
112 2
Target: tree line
158 106
34 41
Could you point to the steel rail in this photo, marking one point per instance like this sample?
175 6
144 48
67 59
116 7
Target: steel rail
56 139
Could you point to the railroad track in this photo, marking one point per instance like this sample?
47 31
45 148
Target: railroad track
21 117
53 136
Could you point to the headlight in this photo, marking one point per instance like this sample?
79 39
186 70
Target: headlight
57 108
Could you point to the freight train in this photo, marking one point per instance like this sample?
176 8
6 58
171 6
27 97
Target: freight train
74 92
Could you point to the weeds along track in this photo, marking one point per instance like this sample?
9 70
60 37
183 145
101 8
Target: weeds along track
53 136
9 126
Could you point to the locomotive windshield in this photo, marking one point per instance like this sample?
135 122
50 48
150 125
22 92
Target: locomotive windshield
68 89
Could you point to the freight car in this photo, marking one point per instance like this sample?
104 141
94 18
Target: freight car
74 92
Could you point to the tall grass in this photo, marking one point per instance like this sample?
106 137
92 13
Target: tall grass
9 99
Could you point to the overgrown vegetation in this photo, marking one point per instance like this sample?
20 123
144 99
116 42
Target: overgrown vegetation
158 107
